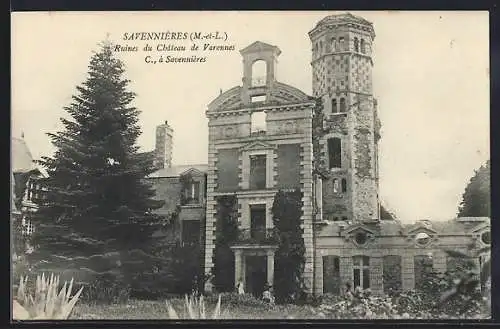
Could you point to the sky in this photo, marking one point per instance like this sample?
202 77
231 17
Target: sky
430 77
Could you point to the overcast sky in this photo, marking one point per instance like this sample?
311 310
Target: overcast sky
431 79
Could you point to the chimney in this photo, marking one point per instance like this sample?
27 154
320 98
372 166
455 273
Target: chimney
163 150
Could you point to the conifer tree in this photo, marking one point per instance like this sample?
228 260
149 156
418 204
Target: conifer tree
98 200
476 199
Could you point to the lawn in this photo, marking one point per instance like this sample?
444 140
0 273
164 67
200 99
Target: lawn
152 310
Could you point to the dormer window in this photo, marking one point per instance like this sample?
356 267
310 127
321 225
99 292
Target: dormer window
192 193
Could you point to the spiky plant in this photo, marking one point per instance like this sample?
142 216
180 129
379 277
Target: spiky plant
194 309
47 303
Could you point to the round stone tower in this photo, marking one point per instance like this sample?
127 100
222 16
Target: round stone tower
342 77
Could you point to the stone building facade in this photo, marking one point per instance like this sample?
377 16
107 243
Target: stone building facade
183 189
260 141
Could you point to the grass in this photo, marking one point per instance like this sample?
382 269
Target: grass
157 310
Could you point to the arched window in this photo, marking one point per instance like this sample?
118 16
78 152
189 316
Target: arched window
342 105
361 271
259 73
356 45
342 43
334 152
334 44
321 46
344 185
363 47
334 105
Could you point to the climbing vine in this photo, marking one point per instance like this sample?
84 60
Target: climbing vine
226 234
289 268
319 163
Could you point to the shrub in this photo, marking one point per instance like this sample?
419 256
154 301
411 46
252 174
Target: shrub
47 303
194 309
105 290
246 300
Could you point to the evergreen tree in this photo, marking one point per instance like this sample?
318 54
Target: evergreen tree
476 200
98 200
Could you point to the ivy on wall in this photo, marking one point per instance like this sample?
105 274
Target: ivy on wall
289 258
226 228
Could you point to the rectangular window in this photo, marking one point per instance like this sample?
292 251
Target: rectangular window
258 172
192 193
190 232
258 122
335 152
227 170
331 275
258 222
361 271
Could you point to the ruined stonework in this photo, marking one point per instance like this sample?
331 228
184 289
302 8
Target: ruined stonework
163 147
342 74
283 145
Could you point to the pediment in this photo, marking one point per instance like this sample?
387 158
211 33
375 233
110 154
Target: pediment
481 227
258 145
358 228
259 46
192 172
421 228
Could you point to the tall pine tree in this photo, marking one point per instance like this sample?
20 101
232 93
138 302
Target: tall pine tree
98 200
476 199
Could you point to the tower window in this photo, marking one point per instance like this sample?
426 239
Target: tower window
334 105
336 185
334 152
363 46
342 105
356 45
334 44
342 43
344 185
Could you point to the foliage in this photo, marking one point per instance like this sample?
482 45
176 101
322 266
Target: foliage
319 164
98 200
105 290
289 258
47 303
175 269
392 275
233 299
476 199
386 214
226 234
195 309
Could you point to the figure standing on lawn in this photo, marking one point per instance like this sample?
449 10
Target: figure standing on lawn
239 288
267 295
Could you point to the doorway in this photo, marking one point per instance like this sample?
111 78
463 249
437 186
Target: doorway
256 275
